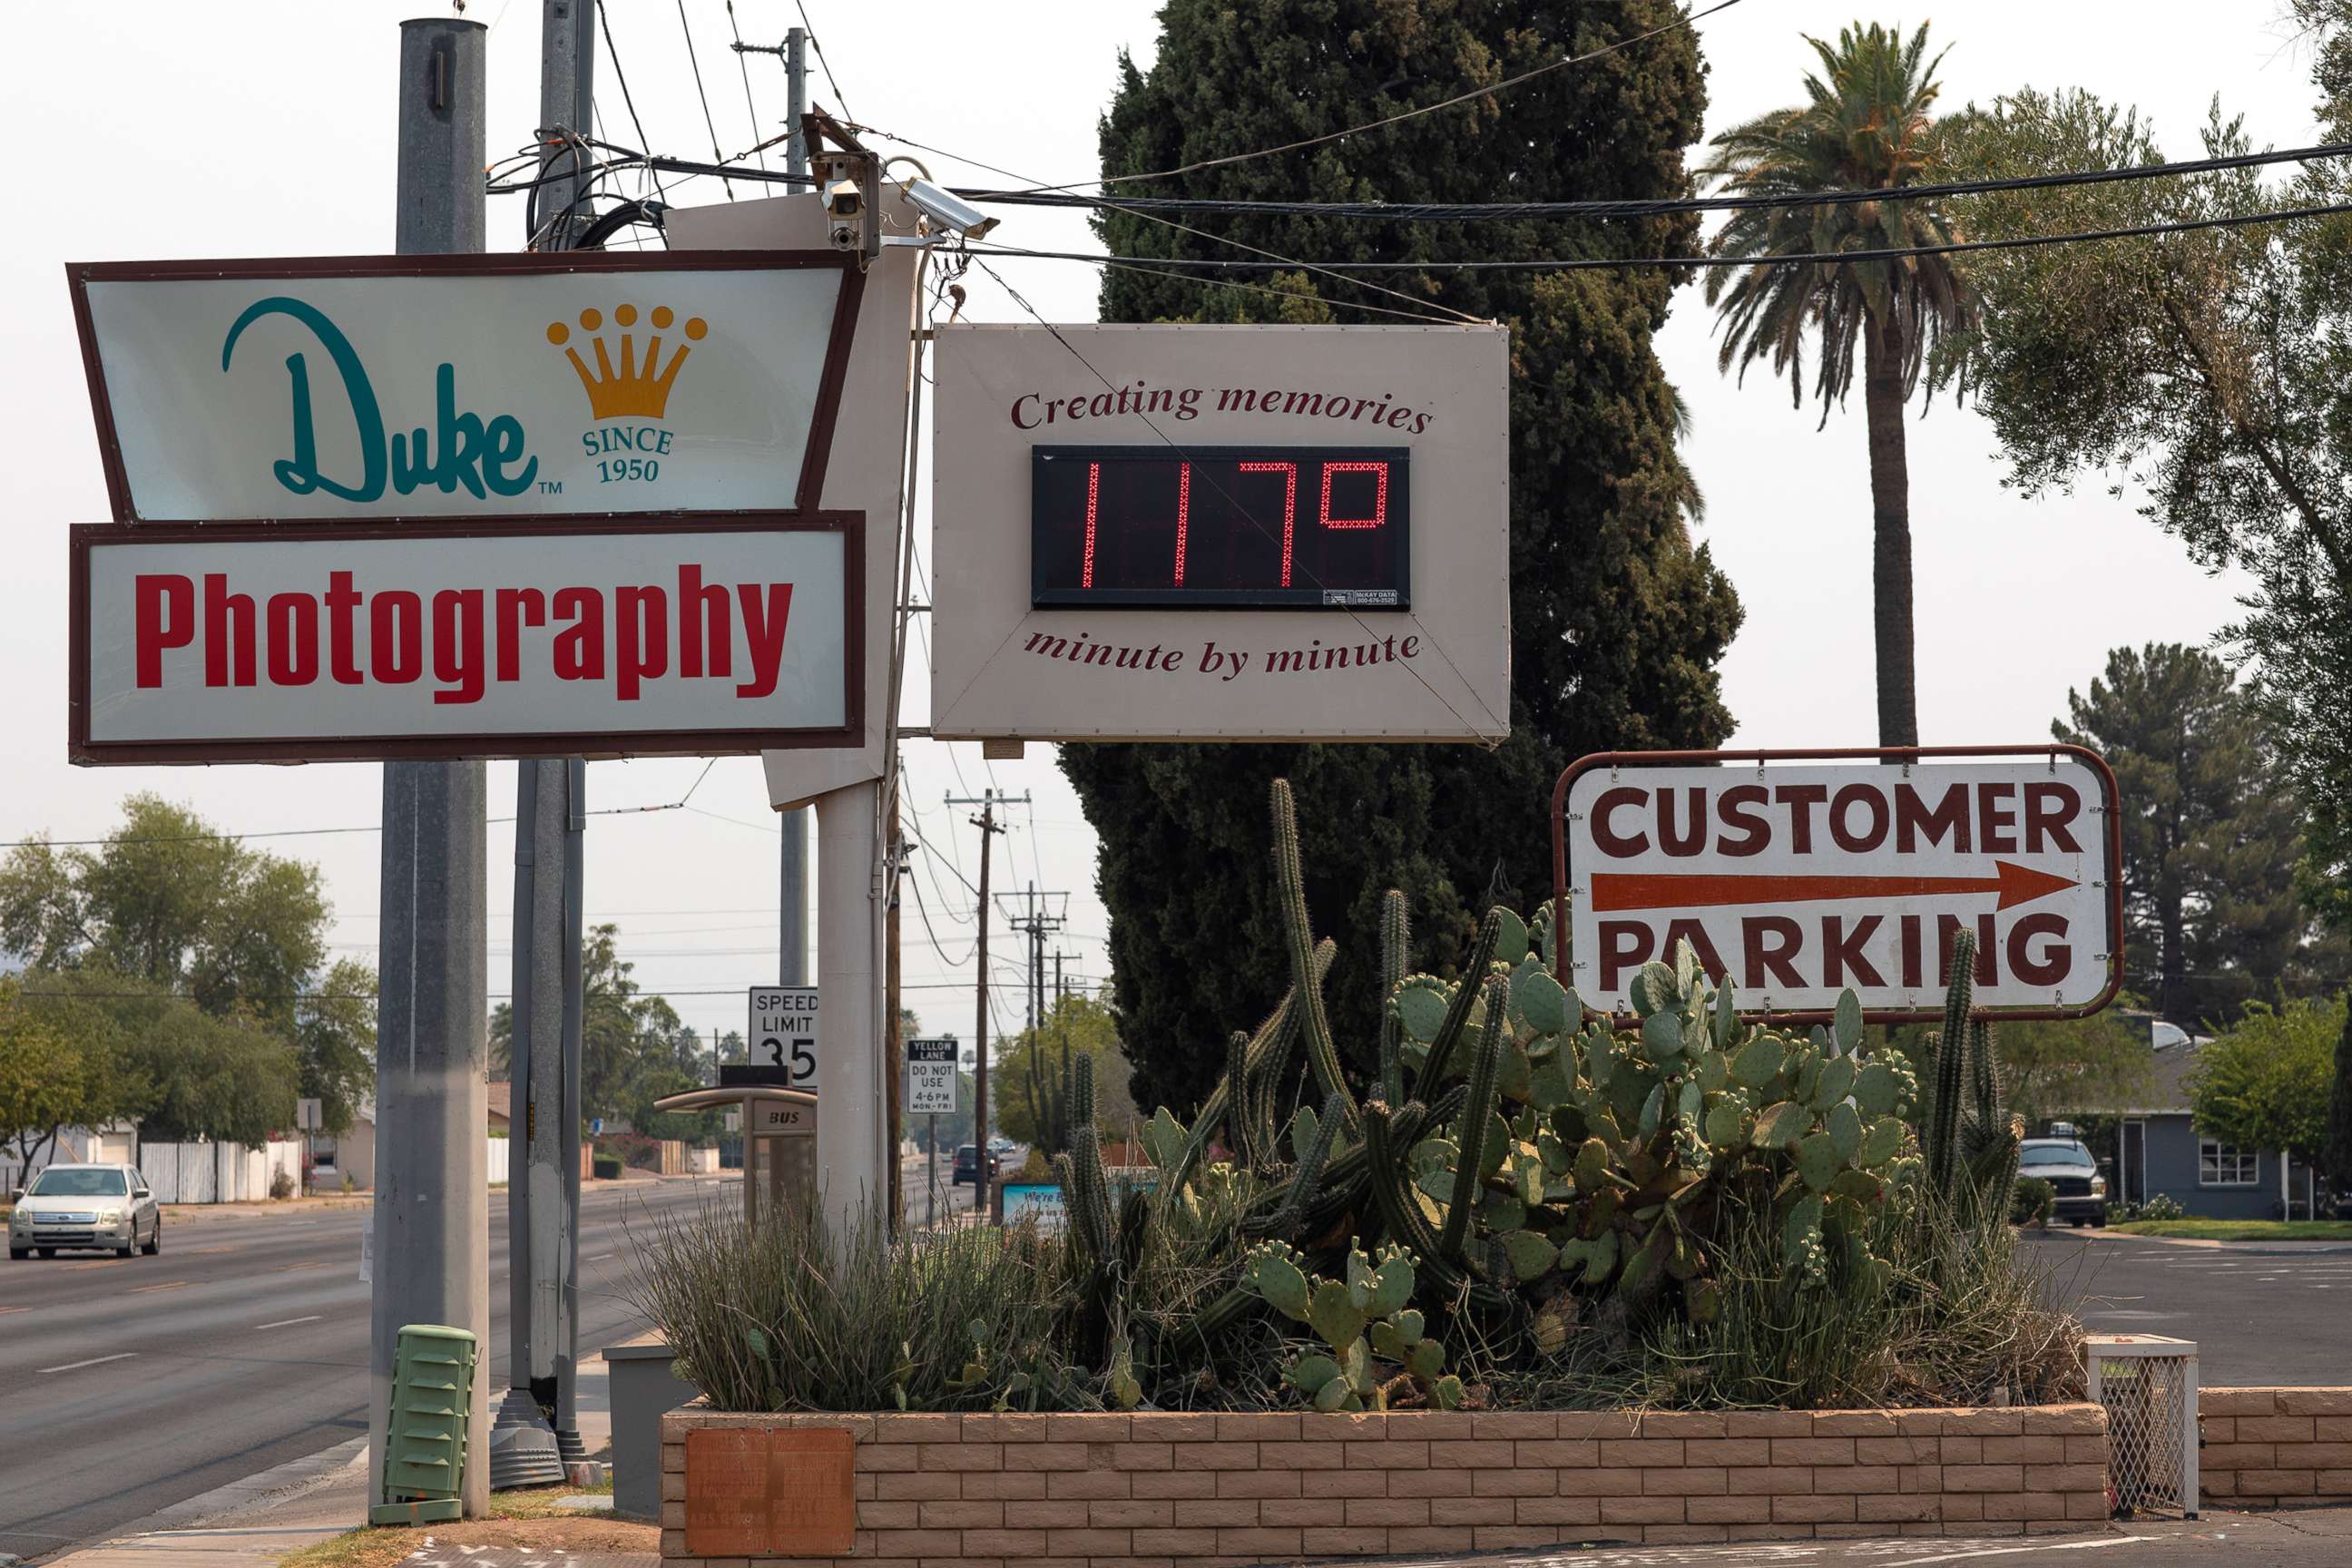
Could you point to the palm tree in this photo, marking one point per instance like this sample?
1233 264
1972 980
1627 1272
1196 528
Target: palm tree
1867 126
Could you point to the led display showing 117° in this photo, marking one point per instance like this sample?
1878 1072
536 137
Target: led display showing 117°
1277 527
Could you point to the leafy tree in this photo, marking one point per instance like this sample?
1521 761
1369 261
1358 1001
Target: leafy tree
335 1041
2210 372
2211 836
1031 1067
1866 125
169 900
2263 1084
1617 620
55 1072
2074 1067
187 957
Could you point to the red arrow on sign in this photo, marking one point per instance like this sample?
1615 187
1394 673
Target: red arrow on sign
1708 890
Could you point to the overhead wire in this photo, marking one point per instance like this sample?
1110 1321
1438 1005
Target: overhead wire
1824 258
1688 19
621 75
1441 212
818 45
695 60
751 109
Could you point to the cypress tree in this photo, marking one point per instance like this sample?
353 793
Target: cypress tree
1617 619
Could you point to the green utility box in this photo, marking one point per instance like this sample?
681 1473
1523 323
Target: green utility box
425 1442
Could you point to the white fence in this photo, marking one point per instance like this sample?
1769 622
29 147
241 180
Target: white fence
218 1173
498 1159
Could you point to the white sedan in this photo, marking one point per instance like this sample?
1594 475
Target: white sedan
106 1207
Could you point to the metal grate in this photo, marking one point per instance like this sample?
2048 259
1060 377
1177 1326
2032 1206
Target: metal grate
2149 1386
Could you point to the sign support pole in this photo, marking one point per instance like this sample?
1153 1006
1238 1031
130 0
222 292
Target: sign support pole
850 1112
432 1207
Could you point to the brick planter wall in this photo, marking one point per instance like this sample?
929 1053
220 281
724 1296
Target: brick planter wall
1163 1489
2268 1446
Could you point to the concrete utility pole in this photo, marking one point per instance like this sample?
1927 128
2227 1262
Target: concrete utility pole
567 68
792 897
852 885
542 1186
432 1200
984 1190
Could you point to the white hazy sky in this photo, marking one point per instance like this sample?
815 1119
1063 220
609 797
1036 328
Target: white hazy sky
265 127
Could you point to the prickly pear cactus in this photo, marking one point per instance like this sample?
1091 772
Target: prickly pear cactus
1606 1155
1375 1354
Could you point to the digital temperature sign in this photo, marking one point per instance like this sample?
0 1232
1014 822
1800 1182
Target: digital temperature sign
1286 527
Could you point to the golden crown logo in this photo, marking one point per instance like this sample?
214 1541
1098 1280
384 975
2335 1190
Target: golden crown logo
636 390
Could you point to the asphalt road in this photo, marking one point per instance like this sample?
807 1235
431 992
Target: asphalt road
126 1385
2261 1314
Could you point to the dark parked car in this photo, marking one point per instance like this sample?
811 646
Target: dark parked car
2072 1173
967 1166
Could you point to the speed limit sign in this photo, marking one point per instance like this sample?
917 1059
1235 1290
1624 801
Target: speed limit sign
783 1035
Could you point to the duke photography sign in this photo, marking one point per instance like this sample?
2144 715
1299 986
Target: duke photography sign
1800 880
289 642
418 386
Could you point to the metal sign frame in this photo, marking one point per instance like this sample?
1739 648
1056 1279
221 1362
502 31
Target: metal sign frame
2113 839
80 274
81 749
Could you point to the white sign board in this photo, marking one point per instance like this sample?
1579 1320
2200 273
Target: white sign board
1221 533
784 1032
287 642
1801 881
418 387
931 1078
774 1119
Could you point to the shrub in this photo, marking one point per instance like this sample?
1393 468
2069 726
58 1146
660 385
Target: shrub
789 1315
281 1184
2035 1202
2161 1206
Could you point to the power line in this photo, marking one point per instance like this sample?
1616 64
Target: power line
818 45
1826 257
1688 19
1463 211
750 110
605 23
695 60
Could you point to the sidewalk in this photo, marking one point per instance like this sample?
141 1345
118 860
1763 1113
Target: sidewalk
254 1523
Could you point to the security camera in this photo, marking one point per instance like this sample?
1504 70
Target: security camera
843 199
949 211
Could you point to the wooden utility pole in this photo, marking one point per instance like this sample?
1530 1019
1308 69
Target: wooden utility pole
894 1069
984 1189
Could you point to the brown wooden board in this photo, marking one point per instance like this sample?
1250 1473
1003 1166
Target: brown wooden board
772 1493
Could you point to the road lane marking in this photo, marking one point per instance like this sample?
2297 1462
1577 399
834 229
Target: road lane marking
596 1258
170 1285
94 1361
289 1323
299 1267
6 1310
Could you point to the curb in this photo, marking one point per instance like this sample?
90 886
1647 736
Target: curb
279 1484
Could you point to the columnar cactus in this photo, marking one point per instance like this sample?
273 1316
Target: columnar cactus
1969 1138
